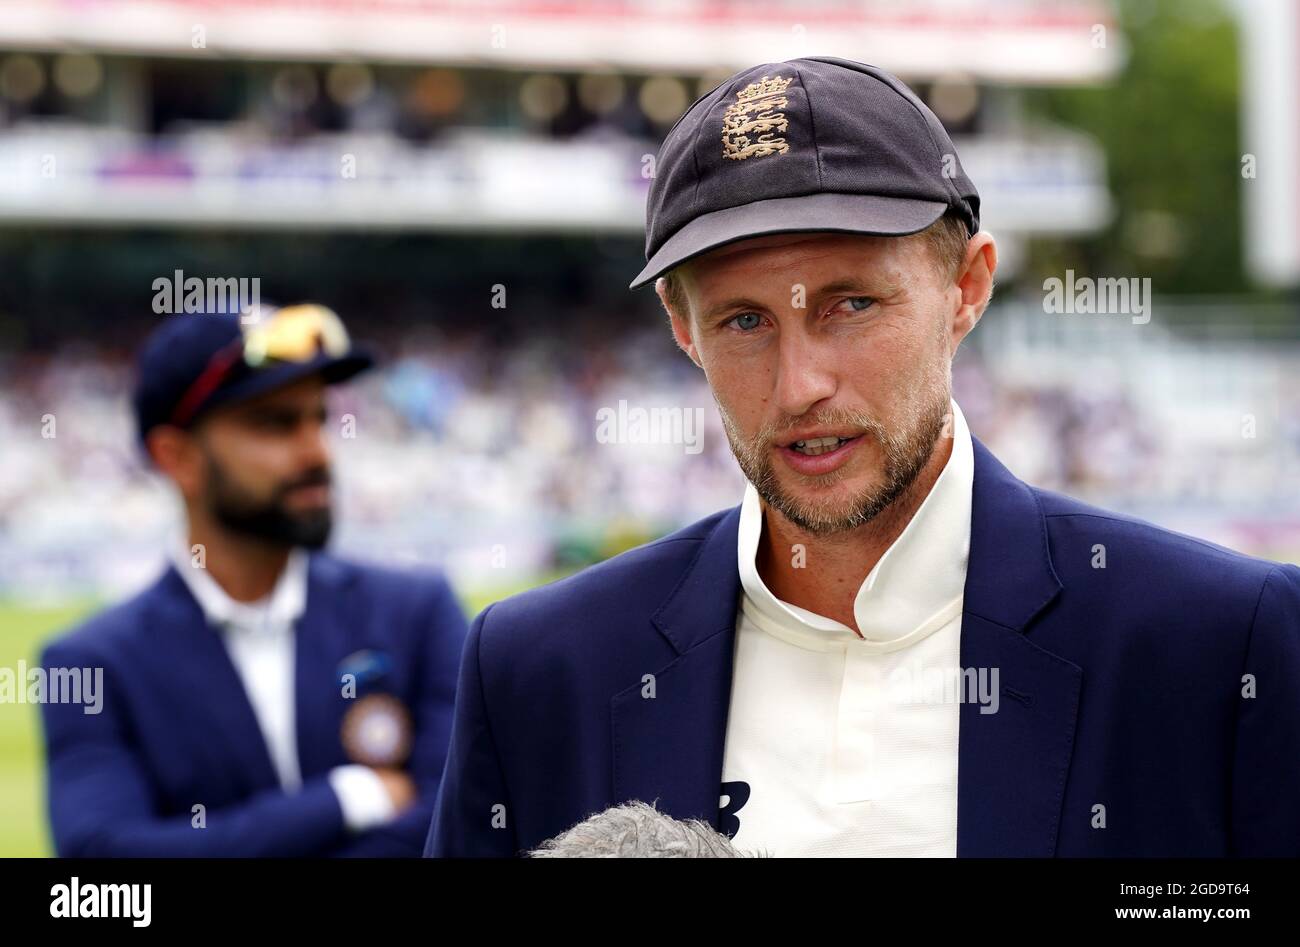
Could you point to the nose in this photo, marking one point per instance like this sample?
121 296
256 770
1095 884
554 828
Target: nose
314 448
803 377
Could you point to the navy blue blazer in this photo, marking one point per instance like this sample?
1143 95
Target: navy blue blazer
1120 686
177 730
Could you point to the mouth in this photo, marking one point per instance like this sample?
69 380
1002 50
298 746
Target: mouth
816 446
314 494
819 455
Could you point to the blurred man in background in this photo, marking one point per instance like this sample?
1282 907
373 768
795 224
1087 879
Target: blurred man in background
262 698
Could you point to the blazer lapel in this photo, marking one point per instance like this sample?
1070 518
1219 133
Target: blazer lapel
322 638
668 749
1012 763
197 669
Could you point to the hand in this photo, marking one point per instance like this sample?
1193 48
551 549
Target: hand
400 787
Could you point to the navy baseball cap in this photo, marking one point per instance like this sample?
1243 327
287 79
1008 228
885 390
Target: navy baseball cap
814 144
195 362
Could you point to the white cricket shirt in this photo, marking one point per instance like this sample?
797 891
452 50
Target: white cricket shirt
846 745
260 639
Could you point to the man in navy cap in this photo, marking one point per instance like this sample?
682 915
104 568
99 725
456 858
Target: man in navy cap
893 646
262 697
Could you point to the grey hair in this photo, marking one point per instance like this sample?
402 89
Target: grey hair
638 830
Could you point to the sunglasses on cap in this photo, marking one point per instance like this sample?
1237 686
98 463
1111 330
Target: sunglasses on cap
290 334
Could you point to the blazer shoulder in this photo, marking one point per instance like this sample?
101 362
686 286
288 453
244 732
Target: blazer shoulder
624 589
106 632
1162 552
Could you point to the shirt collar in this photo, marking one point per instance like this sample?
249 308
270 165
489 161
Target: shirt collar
276 611
914 589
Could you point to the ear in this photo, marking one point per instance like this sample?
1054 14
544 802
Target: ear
176 454
680 321
974 281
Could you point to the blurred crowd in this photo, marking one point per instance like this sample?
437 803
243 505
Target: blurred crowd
283 131
483 455
457 449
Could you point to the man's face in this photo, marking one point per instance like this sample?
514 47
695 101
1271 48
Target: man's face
266 467
830 357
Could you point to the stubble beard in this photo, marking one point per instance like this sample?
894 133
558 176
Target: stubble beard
268 520
905 454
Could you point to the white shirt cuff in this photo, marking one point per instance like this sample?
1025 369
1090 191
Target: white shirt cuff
362 797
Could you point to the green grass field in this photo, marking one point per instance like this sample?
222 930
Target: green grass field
23 829
23 629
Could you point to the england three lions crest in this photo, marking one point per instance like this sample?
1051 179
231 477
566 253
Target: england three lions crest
751 124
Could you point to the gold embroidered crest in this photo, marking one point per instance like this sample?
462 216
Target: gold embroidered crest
750 124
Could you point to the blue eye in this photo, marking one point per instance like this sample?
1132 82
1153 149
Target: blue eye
866 302
748 320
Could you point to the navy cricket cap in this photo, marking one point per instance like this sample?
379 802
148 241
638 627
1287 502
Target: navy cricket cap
195 362
807 145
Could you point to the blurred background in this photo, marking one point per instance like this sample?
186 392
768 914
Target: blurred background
464 183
